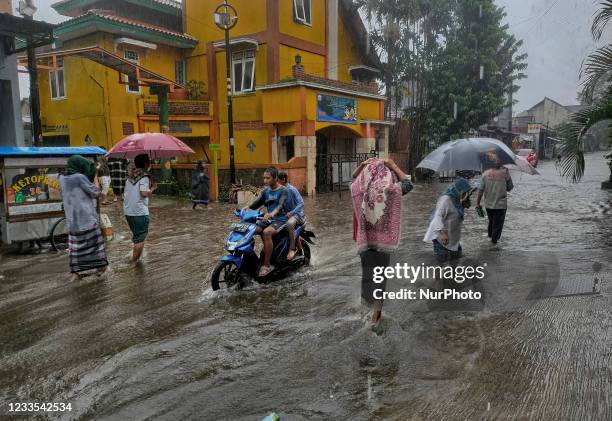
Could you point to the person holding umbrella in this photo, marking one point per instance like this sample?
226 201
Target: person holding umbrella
138 189
494 186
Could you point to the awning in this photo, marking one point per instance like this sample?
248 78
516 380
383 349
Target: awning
238 42
24 31
101 56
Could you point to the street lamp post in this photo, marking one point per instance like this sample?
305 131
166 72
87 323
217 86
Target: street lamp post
226 18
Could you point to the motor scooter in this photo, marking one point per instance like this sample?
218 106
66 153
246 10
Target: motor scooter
235 269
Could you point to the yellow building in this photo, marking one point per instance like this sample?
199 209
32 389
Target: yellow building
302 79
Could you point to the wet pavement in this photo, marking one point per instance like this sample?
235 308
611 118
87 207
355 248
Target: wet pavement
152 341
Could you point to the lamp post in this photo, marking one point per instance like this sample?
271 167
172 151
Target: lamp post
226 18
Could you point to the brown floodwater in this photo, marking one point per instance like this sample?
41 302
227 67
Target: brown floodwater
152 341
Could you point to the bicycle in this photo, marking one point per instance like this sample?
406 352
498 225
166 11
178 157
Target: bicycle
59 235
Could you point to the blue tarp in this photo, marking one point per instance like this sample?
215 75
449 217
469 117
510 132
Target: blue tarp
50 151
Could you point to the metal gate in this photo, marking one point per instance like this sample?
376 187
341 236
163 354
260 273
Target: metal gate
335 171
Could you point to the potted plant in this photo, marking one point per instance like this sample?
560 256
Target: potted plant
196 89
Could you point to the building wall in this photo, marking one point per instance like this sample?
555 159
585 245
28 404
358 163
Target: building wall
96 104
11 125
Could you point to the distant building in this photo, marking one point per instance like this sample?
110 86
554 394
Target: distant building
546 113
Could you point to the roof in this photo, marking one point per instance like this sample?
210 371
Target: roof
575 108
21 28
103 20
76 7
360 34
50 151
112 61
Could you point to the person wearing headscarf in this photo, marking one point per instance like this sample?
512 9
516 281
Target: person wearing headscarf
444 229
87 248
377 206
199 185
494 186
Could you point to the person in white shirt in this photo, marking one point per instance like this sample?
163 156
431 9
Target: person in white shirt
445 225
138 189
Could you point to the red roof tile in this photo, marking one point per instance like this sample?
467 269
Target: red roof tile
110 16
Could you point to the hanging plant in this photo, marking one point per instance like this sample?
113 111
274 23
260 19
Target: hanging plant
197 89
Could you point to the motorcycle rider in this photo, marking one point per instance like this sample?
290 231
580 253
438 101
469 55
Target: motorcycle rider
294 210
273 198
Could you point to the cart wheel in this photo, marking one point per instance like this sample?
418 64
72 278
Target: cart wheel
59 235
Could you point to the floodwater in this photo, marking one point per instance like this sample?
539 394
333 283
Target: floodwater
154 342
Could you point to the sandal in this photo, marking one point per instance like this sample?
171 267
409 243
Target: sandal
294 254
265 271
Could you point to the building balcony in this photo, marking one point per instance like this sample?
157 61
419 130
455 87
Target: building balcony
186 118
183 108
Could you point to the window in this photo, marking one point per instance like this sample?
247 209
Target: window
180 72
243 69
301 11
132 85
56 81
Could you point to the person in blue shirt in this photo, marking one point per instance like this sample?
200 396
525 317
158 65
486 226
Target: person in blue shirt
294 209
273 198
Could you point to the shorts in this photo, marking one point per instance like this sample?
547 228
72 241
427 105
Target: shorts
105 182
296 220
276 223
139 225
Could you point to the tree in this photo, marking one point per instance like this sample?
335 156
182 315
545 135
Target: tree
435 50
597 91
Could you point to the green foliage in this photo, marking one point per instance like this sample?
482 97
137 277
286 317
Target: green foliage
224 193
174 188
570 161
197 89
436 47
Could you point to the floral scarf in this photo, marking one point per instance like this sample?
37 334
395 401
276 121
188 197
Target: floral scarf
377 201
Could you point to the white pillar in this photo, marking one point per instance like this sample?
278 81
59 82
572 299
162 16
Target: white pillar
307 146
333 21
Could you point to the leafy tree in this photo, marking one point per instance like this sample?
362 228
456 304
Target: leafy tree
435 49
597 91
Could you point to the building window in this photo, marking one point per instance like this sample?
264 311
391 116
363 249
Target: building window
128 128
301 11
132 83
243 69
56 81
180 72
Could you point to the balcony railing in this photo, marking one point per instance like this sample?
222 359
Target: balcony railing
179 108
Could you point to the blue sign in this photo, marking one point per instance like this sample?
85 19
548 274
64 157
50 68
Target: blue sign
336 109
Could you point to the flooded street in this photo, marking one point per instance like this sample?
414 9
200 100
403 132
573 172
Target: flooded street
153 341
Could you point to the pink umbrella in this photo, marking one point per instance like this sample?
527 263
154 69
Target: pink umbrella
156 145
522 165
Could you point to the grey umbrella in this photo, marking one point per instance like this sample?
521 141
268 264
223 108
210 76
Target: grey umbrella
466 154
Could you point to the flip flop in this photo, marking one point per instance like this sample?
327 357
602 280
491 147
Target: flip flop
265 271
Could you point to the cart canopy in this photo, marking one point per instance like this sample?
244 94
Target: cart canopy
50 151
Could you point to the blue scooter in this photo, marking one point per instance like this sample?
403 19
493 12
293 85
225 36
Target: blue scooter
242 263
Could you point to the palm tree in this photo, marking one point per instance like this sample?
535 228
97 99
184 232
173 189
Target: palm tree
597 72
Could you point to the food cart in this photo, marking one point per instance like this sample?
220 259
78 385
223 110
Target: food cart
31 201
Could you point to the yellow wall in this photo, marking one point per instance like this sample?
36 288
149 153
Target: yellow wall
314 64
242 155
200 24
281 105
313 33
348 54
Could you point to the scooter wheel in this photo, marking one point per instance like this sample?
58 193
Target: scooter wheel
224 275
306 252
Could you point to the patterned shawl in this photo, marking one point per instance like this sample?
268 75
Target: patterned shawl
377 207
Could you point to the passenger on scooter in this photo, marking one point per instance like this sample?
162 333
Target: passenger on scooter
294 208
273 197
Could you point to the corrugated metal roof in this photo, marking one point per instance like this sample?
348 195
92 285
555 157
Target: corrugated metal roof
50 151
